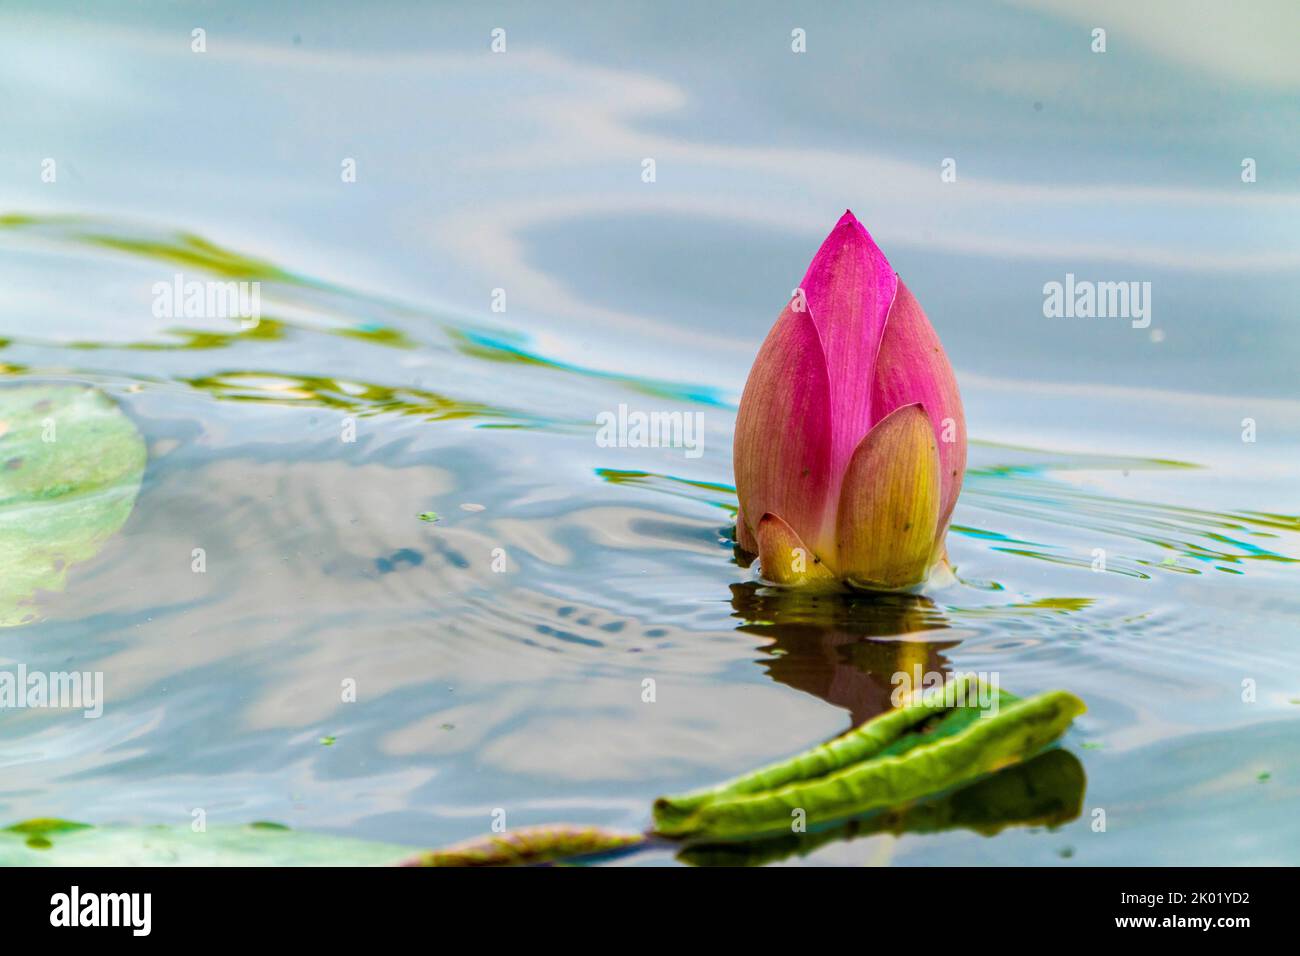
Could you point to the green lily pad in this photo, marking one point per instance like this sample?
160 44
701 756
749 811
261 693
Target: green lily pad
1044 791
62 843
70 468
921 749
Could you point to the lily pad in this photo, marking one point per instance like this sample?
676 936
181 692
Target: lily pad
919 750
1045 791
63 843
71 463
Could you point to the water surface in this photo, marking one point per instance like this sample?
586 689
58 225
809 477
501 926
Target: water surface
522 689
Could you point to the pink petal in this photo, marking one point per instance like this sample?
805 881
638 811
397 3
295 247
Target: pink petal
889 505
849 288
912 368
782 446
744 536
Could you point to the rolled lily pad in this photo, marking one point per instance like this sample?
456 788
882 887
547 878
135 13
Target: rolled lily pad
1044 791
70 468
63 843
528 845
921 749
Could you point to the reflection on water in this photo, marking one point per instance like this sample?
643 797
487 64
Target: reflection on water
1116 536
1194 537
831 645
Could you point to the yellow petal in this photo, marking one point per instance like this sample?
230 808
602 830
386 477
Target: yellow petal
784 558
889 504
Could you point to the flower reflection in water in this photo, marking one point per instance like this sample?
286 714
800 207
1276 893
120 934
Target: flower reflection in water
844 648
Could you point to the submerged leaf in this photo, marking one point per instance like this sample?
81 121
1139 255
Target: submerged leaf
540 844
70 468
42 826
918 750
61 843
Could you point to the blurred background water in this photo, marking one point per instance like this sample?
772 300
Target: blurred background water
522 171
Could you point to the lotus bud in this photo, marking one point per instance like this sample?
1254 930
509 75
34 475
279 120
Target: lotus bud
850 441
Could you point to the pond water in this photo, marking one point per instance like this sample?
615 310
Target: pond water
499 652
